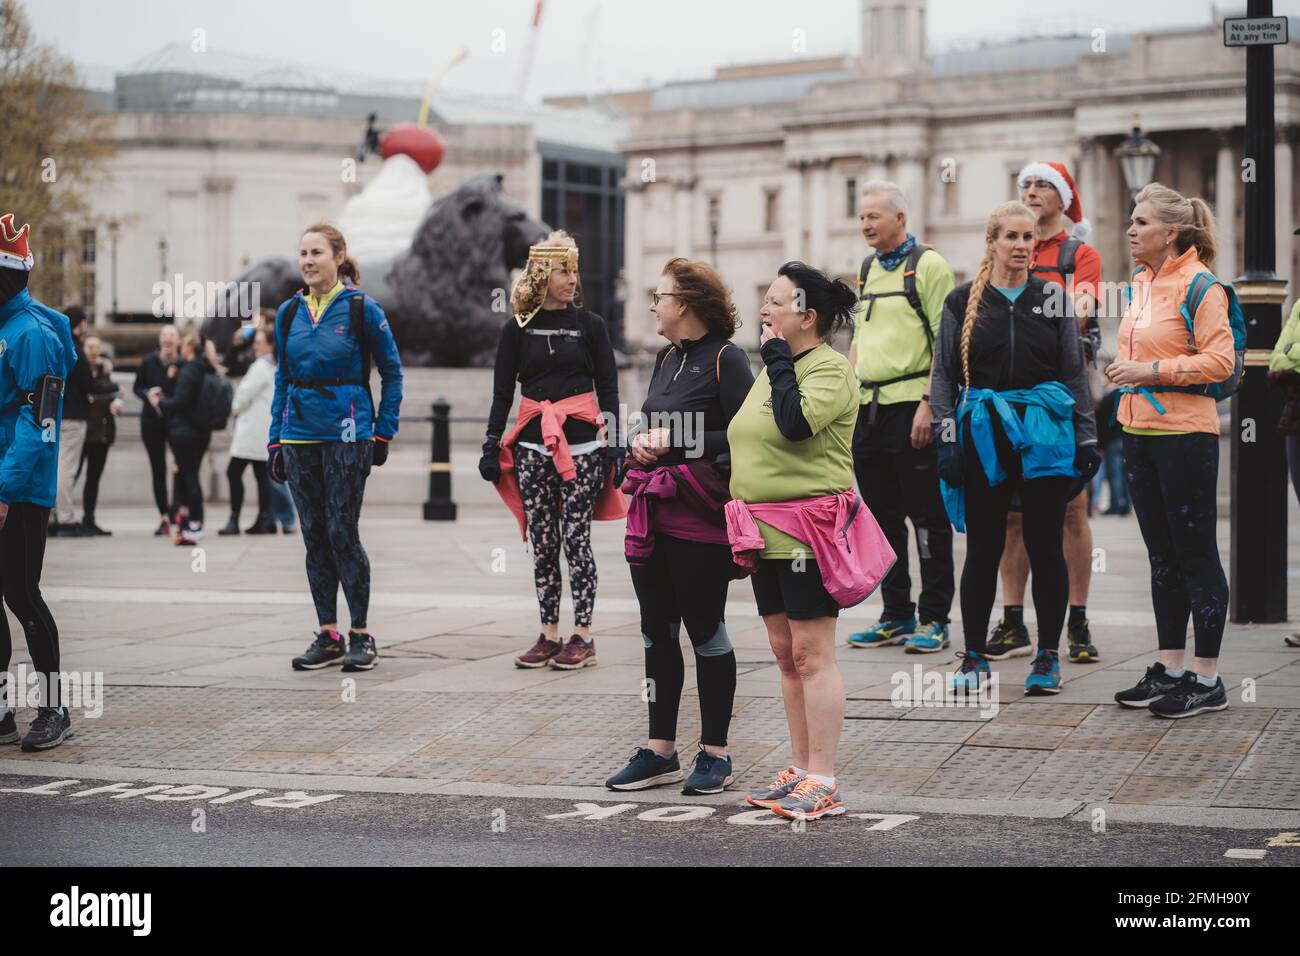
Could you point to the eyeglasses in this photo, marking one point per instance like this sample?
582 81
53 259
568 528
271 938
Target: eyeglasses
656 296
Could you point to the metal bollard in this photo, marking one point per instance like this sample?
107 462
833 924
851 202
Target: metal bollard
439 506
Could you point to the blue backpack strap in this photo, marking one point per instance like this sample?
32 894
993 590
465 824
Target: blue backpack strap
1201 283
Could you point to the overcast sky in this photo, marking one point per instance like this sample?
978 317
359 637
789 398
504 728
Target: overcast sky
583 45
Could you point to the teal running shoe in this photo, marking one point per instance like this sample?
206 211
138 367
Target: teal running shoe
930 639
973 673
883 633
1044 675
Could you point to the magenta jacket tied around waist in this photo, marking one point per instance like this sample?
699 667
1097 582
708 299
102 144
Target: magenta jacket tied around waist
683 501
851 551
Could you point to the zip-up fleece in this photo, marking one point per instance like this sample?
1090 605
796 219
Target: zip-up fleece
1153 329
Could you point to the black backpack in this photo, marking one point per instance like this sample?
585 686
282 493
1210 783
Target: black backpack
1090 339
357 319
216 396
909 290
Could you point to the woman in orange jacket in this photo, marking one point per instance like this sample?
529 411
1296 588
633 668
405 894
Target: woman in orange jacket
1171 445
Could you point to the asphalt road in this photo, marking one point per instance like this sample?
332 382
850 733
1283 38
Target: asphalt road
429 830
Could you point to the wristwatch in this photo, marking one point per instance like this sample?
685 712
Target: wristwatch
925 397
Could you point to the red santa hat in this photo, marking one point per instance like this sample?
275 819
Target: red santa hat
1063 183
14 253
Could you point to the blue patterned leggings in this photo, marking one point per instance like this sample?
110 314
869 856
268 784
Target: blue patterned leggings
328 481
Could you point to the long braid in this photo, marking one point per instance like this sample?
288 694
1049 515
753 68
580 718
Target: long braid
972 312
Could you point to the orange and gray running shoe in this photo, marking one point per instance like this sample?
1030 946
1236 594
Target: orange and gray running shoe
811 800
777 790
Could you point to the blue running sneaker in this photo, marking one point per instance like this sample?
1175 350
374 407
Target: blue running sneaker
710 775
930 639
973 673
646 769
1044 675
883 633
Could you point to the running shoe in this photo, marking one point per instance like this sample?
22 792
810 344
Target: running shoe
884 632
191 534
540 654
1008 640
1155 683
576 654
974 672
361 655
163 530
930 639
8 728
51 727
1292 639
811 800
711 774
1044 675
776 791
1082 650
646 769
325 650
1190 697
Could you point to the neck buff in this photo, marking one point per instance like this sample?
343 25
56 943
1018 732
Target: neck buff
891 260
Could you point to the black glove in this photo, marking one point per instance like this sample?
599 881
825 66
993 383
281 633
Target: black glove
615 456
489 466
1087 460
951 467
379 453
275 465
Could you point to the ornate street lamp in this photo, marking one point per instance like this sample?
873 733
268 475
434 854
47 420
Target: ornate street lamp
1137 160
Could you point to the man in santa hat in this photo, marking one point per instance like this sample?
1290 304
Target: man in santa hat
36 354
1060 258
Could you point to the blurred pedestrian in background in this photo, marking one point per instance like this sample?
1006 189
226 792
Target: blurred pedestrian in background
101 428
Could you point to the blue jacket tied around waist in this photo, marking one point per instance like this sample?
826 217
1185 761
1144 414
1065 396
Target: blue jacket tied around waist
1044 439
34 341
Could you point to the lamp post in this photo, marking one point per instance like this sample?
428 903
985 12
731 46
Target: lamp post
715 216
113 228
1137 161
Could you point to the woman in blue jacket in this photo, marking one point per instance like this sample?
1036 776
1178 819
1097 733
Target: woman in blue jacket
326 434
36 356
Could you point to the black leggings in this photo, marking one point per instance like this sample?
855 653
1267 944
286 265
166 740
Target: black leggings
155 444
686 583
235 475
96 456
22 555
1174 483
328 481
189 449
1043 502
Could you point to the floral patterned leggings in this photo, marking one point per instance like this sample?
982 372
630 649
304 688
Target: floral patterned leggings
555 511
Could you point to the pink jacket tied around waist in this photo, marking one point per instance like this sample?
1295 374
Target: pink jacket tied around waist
851 551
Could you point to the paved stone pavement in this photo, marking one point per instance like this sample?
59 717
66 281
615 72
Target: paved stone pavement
194 648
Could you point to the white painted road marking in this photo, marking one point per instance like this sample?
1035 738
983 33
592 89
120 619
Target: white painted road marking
679 814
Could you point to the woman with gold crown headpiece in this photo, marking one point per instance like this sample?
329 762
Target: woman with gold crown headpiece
555 469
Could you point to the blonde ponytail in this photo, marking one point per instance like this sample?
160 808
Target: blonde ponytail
1192 218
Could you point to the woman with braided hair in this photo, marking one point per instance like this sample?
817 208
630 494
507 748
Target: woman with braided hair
1012 413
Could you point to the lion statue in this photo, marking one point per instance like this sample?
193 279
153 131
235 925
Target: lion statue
447 295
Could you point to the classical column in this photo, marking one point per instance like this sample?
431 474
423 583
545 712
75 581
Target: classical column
683 206
1286 243
637 322
792 211
910 174
818 212
1225 205
217 190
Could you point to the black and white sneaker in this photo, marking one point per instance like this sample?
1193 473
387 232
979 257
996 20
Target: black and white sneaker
51 727
8 729
361 655
327 649
1190 697
1153 685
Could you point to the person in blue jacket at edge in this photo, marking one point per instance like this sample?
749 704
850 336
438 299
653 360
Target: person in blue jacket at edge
36 355
1012 412
326 433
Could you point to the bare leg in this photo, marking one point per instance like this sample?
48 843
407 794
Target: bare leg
823 691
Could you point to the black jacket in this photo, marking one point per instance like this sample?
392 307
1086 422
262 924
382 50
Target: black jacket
182 410
707 377
78 388
152 373
559 354
1012 346
101 423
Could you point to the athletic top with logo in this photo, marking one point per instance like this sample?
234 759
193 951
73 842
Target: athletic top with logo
766 466
1084 275
695 390
890 340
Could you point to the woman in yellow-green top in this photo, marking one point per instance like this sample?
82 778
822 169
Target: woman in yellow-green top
793 439
1284 371
1171 446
